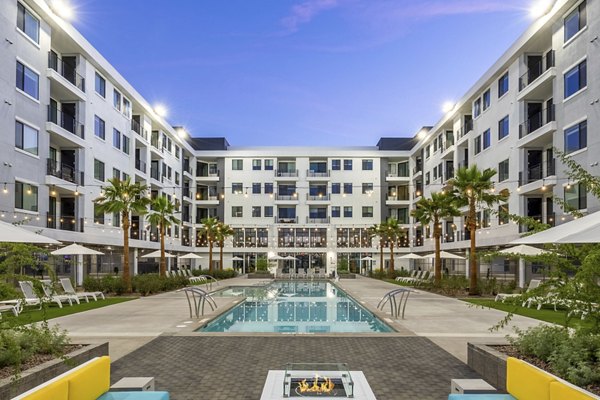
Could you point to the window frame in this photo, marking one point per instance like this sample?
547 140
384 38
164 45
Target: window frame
578 126
21 80
237 164
99 122
348 164
501 169
368 163
582 83
486 139
504 78
20 202
100 78
22 137
578 11
103 171
23 30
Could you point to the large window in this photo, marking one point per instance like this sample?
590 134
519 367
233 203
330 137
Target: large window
117 100
487 139
256 165
99 127
576 79
98 214
237 188
367 212
335 211
125 146
367 188
256 188
268 188
28 81
477 108
268 165
256 211
268 211
26 138
575 21
348 212
237 165
576 137
576 196
26 196
336 165
347 188
503 85
477 145
503 128
116 139
367 165
503 171
335 188
98 170
100 85
487 99
237 211
347 165
27 23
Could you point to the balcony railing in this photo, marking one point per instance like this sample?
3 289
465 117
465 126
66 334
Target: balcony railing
323 220
140 165
213 174
536 70
465 129
154 173
64 222
67 71
64 171
319 197
286 197
536 121
401 197
187 167
286 174
137 128
396 174
66 121
418 168
317 174
286 220
449 173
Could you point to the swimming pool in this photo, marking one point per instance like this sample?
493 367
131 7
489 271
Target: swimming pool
297 307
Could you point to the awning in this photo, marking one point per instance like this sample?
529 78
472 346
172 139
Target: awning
14 234
580 230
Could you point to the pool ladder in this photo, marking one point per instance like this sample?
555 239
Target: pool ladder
200 298
397 307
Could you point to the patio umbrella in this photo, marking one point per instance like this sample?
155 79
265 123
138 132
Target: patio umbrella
191 256
156 254
367 258
580 230
76 250
236 258
523 250
445 254
14 234
290 258
411 256
277 257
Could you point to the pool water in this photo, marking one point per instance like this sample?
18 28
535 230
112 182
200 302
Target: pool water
295 307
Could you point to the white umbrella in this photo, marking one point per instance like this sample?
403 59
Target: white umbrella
523 250
290 258
236 258
185 256
75 250
411 256
367 258
277 257
580 230
445 254
156 254
14 234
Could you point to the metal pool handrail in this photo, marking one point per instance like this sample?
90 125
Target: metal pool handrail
395 306
199 303
209 280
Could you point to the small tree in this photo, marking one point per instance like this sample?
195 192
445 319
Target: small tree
379 231
209 227
124 198
162 215
394 232
262 264
223 231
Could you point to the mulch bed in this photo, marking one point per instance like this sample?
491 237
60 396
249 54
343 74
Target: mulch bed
36 360
512 351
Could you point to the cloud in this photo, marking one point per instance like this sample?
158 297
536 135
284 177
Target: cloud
305 12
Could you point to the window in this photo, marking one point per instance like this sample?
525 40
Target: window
576 79
98 170
26 196
237 165
335 188
348 212
268 165
435 146
367 188
428 151
237 188
576 137
477 145
367 165
256 165
575 21
268 188
116 138
256 211
176 178
503 128
347 188
256 188
99 127
27 23
403 170
237 212
576 196
177 152
26 138
485 223
477 108
347 165
100 85
117 100
503 173
126 107
116 219
487 139
336 165
367 212
487 99
335 212
116 174
28 81
503 213
268 211
98 215
125 144
427 178
125 176
503 85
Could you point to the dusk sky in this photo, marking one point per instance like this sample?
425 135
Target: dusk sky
302 72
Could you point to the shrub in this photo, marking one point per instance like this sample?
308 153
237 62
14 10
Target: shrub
153 283
20 344
217 274
539 341
8 292
262 264
106 284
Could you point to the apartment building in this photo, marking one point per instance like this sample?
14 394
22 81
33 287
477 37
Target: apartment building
78 122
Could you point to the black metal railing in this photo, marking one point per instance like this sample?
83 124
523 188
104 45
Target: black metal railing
66 121
64 222
465 129
550 167
536 70
286 220
155 173
418 168
536 172
137 128
449 173
69 72
318 197
397 174
536 121
317 174
64 172
212 174
140 165
323 220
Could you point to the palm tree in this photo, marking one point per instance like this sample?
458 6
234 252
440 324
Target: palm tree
434 210
223 232
209 226
378 230
394 232
123 197
162 215
474 189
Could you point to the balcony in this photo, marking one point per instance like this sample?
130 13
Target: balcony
538 129
137 128
155 174
208 176
207 200
449 173
64 172
319 197
64 222
541 72
396 176
289 198
187 169
286 220
316 175
418 169
66 75
397 199
140 166
286 174
65 125
464 130
324 220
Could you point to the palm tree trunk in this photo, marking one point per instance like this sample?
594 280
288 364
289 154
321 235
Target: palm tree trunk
381 257
221 245
438 259
126 274
210 249
391 272
163 263
472 256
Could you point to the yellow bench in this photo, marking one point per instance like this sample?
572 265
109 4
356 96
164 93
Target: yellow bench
88 381
527 382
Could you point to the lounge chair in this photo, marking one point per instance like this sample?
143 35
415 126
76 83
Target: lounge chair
533 284
50 292
419 276
412 275
14 306
30 298
194 279
70 290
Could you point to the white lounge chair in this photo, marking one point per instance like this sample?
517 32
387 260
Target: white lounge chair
30 298
14 306
194 279
533 284
412 275
70 290
50 292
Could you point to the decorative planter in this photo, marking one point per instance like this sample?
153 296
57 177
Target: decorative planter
489 363
10 387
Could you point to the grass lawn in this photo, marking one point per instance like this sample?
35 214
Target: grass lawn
32 314
545 314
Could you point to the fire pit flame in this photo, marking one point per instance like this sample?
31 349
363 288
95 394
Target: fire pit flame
325 387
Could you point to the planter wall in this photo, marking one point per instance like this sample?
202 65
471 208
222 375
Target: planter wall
347 276
489 363
37 375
